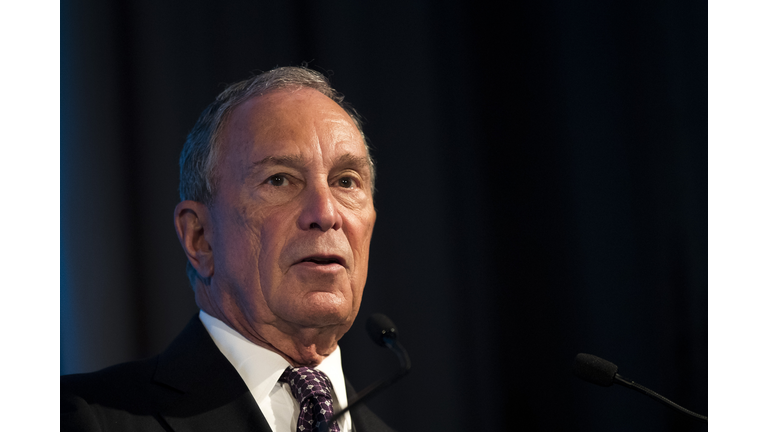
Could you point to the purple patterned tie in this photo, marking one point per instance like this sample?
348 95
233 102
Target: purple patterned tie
313 391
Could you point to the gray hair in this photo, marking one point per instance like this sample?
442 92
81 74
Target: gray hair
200 154
201 150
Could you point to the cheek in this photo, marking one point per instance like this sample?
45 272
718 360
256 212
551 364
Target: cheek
356 201
359 235
239 246
249 233
274 233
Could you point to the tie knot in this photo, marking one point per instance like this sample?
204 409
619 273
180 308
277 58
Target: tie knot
306 382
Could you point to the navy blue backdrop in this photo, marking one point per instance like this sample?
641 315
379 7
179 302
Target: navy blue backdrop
542 192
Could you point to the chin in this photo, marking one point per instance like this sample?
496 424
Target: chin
323 310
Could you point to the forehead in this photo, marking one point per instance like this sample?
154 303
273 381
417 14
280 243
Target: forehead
301 122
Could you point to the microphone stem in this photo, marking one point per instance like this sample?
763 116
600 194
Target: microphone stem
405 367
637 387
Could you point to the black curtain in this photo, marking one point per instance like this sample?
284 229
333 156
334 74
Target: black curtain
542 192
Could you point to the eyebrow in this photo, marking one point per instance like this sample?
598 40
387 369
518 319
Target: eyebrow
289 160
350 160
296 161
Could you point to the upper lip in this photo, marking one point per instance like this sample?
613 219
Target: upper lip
324 258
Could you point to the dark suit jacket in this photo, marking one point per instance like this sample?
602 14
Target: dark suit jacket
191 386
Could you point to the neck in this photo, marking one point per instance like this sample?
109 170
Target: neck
300 346
305 347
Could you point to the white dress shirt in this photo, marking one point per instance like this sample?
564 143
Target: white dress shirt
260 368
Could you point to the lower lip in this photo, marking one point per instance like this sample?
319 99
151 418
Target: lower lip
332 267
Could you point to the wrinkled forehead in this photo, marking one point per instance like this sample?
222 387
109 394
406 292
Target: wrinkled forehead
300 123
285 116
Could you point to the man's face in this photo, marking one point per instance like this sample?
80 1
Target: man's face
293 213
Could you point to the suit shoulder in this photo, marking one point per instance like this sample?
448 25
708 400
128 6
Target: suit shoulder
120 378
116 398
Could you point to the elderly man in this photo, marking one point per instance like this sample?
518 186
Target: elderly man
276 220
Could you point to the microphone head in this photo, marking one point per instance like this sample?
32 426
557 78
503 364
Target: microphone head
380 327
594 369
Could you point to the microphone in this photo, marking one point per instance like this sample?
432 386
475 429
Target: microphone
383 331
604 373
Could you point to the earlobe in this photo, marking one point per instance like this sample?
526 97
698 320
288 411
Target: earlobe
191 219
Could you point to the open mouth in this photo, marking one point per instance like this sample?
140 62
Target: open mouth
322 260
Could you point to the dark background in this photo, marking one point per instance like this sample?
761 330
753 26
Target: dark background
542 192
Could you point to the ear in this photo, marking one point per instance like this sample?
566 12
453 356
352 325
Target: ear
193 228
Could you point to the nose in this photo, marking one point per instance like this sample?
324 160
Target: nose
319 210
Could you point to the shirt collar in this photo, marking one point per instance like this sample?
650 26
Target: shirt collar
259 367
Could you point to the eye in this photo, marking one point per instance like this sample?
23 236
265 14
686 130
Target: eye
278 180
347 182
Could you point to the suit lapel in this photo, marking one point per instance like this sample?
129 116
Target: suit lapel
197 389
363 419
200 390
